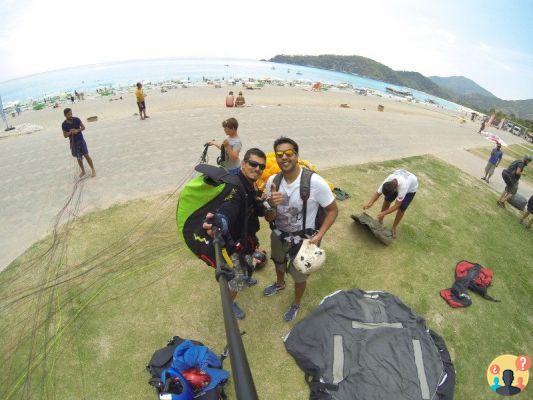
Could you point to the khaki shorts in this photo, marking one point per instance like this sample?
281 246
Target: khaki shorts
489 169
278 251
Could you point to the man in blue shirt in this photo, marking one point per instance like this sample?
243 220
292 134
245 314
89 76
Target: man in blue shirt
494 160
72 129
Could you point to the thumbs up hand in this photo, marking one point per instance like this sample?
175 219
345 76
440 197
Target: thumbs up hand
276 198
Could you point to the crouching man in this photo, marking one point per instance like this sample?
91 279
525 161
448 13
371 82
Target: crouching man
400 187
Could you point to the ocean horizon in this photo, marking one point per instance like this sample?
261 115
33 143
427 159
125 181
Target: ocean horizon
89 78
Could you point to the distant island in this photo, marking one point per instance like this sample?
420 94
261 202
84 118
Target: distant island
458 89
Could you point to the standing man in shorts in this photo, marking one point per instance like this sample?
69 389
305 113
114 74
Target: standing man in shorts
289 224
494 160
511 175
72 129
140 95
401 186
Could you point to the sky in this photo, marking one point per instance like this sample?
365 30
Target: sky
487 41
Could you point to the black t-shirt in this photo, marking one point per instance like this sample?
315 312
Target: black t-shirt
511 169
75 124
242 210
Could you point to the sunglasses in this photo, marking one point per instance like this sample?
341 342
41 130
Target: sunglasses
288 153
255 164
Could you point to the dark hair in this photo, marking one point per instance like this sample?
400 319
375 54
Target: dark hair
230 123
66 111
283 139
230 92
139 85
255 152
388 188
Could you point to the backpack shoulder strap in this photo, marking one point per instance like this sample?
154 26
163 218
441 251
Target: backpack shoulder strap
305 192
277 180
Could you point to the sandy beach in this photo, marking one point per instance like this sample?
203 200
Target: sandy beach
136 158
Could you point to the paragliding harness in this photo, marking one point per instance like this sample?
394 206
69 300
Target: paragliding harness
468 276
220 159
203 194
163 375
296 237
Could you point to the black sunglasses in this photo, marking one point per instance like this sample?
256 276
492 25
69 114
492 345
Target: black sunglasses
255 164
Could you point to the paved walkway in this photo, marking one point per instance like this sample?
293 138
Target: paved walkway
136 158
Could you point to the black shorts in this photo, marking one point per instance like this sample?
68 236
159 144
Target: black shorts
141 105
405 202
530 205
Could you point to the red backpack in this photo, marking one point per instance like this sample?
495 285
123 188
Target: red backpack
468 276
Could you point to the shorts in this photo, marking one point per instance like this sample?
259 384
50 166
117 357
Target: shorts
405 202
141 106
279 252
511 185
530 205
489 169
79 149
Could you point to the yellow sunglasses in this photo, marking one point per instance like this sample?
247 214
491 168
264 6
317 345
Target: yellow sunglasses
288 153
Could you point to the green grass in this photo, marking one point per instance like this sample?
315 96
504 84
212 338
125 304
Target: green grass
510 154
125 285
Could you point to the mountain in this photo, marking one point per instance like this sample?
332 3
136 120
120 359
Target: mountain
367 68
458 89
461 85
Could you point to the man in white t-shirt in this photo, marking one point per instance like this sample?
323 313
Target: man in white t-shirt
288 220
401 186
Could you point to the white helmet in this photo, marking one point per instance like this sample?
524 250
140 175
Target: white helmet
309 258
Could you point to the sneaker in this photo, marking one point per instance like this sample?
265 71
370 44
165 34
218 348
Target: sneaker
250 281
291 313
237 311
273 289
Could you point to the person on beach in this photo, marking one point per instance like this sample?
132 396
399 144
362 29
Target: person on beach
494 160
483 124
528 214
287 219
401 186
230 147
140 95
72 129
230 100
511 176
239 101
238 217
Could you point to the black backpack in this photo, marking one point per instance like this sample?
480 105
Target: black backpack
305 193
162 359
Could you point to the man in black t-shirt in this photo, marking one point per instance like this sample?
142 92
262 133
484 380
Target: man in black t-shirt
511 175
72 129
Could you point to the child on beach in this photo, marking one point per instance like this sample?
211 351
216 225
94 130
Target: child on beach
72 129
140 95
239 101
230 100
230 148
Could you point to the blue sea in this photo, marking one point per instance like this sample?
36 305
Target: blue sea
91 77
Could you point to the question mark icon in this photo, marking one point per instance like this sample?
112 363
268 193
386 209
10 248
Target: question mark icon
523 363
495 369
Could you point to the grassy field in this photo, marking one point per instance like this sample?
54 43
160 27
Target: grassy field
510 154
82 314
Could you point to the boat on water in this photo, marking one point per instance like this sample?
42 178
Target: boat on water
401 93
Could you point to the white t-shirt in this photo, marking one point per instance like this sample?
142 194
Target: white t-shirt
289 216
407 183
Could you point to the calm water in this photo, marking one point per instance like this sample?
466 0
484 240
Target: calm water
91 77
